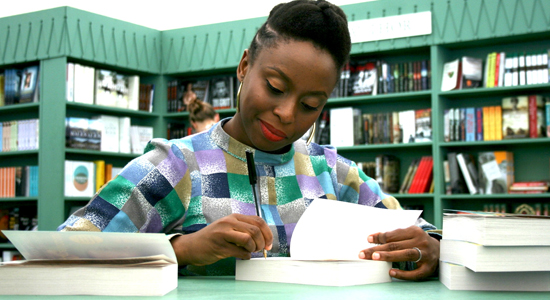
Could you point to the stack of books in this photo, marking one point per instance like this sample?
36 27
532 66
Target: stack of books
495 252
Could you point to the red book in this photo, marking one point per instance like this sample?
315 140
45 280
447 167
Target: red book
427 176
535 106
414 189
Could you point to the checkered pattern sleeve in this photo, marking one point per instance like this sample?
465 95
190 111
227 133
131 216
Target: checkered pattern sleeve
147 196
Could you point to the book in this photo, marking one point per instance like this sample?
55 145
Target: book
109 133
468 171
90 263
364 78
496 171
99 167
451 75
29 85
481 258
407 125
408 176
458 185
423 125
220 95
496 229
472 74
536 116
139 137
342 132
79 178
515 117
457 277
336 263
76 133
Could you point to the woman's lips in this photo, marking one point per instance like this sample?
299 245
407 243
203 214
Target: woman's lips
271 133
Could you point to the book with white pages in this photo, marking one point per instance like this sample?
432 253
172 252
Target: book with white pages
90 263
479 258
327 253
496 229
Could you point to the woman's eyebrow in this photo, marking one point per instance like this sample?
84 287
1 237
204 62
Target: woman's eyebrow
287 79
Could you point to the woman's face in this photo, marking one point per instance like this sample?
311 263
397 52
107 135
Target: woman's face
282 95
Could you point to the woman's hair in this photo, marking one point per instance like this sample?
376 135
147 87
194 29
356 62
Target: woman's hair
320 22
200 111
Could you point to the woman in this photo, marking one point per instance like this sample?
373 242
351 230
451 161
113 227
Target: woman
201 115
199 184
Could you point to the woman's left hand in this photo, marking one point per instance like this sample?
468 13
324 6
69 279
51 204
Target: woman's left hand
397 245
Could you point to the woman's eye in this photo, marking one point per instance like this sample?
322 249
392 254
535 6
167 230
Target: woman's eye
309 107
272 88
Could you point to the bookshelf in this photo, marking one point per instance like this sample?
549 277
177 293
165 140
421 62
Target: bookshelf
54 37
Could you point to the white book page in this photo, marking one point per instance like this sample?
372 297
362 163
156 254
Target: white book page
336 230
89 245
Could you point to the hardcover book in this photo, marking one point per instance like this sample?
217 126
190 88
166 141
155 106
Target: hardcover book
220 93
364 78
496 171
29 85
472 74
451 75
79 178
515 117
336 263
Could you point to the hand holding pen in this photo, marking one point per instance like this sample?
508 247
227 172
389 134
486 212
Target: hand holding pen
253 180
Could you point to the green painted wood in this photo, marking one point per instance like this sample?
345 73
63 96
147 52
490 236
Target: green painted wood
51 143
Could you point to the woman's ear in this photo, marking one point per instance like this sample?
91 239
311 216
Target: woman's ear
217 118
243 66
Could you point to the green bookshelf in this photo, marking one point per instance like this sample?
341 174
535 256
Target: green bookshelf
54 37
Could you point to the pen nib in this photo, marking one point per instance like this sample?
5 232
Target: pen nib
265 254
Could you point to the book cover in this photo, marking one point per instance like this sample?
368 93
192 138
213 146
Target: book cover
77 133
364 78
468 173
99 167
423 125
470 124
390 173
451 75
84 84
109 263
106 88
407 125
496 171
29 84
95 127
408 176
536 116
124 143
79 178
458 185
472 74
515 117
341 132
220 93
109 133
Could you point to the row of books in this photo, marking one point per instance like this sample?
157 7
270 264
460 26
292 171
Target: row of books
386 169
495 252
19 85
178 130
518 117
220 92
499 69
107 133
19 135
537 209
376 77
88 85
20 181
353 127
17 218
491 173
85 178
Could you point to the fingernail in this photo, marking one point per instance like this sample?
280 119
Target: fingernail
269 247
392 273
376 256
362 255
370 239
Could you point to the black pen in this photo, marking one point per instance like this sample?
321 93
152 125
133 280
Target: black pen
253 178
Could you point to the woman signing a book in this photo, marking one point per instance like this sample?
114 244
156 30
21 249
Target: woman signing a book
198 186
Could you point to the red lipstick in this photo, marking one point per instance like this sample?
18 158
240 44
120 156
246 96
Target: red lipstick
271 133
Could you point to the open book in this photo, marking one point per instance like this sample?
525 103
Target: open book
90 263
325 247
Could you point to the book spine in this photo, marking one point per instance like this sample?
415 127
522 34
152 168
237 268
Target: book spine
533 116
479 123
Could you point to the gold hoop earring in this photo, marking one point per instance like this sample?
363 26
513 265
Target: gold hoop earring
239 96
311 135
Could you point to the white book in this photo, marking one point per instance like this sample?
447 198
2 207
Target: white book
336 263
90 263
70 82
491 229
140 136
457 277
501 68
521 69
341 126
528 68
133 92
462 163
451 75
109 133
407 123
479 258
124 142
544 68
79 178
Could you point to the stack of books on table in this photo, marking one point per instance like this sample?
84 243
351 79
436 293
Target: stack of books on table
495 252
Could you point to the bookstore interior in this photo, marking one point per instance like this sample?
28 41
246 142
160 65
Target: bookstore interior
449 115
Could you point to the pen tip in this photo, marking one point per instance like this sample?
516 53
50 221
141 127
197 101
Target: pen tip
265 254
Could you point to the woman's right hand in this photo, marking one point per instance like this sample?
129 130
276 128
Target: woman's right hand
235 235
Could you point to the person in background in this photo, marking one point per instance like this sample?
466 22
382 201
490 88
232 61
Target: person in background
201 115
198 188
